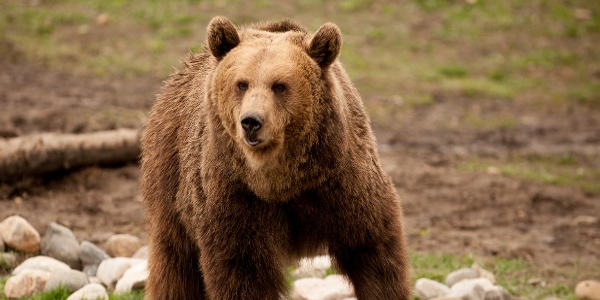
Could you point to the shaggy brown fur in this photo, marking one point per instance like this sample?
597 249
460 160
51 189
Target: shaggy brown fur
259 153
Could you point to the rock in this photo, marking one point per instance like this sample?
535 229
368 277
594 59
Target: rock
18 234
71 280
60 242
458 275
427 289
112 269
43 263
7 261
496 293
141 253
134 278
470 289
2 247
122 245
90 270
588 289
313 267
26 283
330 288
483 273
91 256
90 291
94 279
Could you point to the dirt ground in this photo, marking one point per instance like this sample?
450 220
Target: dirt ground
446 209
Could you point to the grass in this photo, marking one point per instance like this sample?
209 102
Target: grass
480 48
560 170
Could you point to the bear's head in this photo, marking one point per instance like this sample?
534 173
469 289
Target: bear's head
268 85
272 92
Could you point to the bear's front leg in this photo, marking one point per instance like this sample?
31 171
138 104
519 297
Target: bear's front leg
377 272
241 246
369 244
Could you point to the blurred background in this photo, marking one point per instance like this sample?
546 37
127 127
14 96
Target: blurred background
487 115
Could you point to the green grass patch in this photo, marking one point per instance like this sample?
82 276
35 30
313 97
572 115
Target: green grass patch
512 274
558 170
480 48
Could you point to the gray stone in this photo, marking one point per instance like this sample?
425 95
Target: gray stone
496 292
134 278
122 245
312 267
90 270
470 289
141 253
60 242
458 275
90 291
72 280
588 289
330 288
7 260
91 256
26 283
18 234
427 289
43 263
112 269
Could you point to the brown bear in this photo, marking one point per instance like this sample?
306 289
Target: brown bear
258 152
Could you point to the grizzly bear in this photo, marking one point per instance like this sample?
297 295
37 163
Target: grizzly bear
258 152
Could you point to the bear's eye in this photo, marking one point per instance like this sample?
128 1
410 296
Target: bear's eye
242 85
278 88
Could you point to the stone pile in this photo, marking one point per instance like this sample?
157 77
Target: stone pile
83 268
120 266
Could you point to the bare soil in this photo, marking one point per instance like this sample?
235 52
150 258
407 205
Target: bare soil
446 209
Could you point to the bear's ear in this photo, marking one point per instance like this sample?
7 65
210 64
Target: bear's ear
325 45
221 36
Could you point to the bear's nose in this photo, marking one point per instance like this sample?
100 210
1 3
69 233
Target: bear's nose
251 123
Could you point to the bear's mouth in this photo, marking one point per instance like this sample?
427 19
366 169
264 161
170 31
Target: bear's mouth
252 140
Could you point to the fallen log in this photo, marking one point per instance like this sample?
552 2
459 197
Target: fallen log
48 152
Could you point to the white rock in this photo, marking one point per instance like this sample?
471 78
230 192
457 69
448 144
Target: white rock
483 273
458 275
60 242
90 291
141 253
470 289
333 287
26 283
124 245
313 267
71 280
134 278
43 263
427 289
112 269
18 234
588 289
